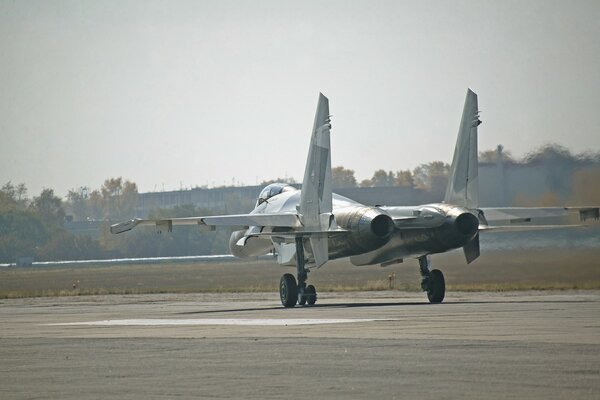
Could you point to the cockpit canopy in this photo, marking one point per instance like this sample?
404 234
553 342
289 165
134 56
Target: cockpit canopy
273 190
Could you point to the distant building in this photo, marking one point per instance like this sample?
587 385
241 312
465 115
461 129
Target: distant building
500 184
242 199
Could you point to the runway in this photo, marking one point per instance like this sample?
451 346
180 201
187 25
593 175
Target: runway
372 344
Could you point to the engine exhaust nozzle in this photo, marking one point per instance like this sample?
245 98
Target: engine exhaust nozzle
467 224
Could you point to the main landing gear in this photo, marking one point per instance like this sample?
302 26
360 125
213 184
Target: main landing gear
432 281
291 292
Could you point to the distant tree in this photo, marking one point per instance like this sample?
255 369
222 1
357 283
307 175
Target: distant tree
431 176
128 200
13 196
494 156
21 192
589 157
8 200
95 205
342 177
551 154
111 190
79 203
50 209
22 232
366 183
66 246
404 178
119 198
9 190
383 179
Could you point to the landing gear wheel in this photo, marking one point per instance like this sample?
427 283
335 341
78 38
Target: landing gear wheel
436 286
301 297
288 290
310 293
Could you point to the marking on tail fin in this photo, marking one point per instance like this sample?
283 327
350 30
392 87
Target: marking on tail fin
318 157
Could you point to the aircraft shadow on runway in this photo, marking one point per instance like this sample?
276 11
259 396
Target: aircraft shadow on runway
387 304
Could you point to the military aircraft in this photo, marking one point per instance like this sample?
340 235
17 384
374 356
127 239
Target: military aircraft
308 227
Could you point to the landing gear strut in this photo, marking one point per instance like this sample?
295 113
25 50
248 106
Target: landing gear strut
291 292
432 281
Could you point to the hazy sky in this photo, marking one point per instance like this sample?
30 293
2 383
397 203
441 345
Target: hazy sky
170 93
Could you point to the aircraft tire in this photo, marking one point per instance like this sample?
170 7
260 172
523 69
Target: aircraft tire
288 290
302 298
311 295
437 286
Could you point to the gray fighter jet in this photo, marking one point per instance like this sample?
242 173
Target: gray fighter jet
308 227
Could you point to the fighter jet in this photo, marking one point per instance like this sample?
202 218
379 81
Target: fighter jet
311 226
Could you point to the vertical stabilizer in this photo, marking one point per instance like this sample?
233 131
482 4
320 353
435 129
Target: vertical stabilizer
316 196
463 186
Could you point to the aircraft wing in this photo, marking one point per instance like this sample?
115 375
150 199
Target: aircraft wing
519 228
526 214
287 220
518 218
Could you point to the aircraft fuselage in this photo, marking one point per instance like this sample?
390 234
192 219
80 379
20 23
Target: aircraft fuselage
370 234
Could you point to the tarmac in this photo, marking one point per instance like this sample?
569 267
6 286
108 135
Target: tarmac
388 345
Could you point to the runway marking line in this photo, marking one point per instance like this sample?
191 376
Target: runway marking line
216 321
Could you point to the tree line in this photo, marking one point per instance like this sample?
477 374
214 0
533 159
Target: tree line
36 227
434 174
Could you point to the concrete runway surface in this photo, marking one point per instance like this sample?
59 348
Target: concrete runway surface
389 345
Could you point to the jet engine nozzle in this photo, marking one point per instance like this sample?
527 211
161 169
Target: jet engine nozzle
466 224
369 227
460 227
381 226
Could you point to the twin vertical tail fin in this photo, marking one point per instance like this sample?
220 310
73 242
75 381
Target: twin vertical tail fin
463 186
316 196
